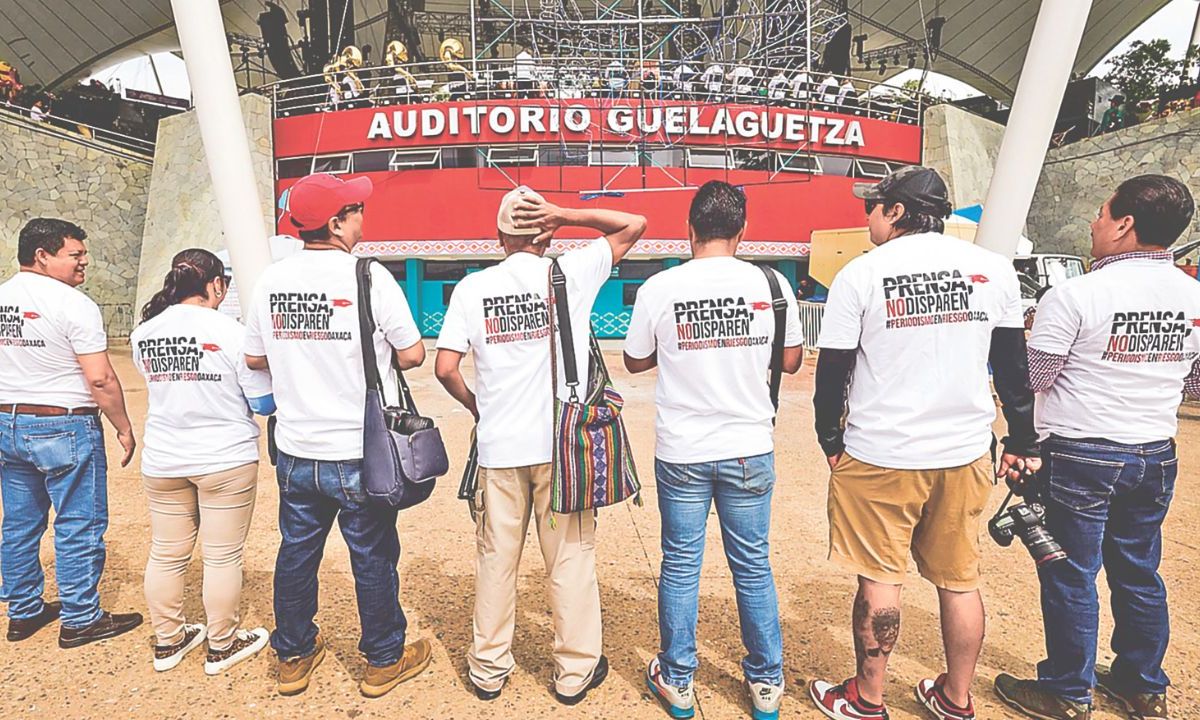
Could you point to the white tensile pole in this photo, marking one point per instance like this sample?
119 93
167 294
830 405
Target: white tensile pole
1044 78
214 94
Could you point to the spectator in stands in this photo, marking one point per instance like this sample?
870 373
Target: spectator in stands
801 87
523 67
712 80
200 461
846 97
55 383
512 402
741 83
777 88
313 295
1114 116
616 78
38 111
683 77
829 92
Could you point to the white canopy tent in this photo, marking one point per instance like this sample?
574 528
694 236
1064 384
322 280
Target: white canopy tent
984 43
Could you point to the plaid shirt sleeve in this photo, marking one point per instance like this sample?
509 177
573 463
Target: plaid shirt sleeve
1191 386
1045 367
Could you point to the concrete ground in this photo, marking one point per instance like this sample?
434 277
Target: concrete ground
114 679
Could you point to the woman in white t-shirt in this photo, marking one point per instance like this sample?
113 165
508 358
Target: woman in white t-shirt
200 459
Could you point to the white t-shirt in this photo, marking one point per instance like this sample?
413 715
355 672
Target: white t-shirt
197 421
44 325
920 310
740 78
777 87
499 315
304 319
1131 333
712 78
712 324
523 66
800 85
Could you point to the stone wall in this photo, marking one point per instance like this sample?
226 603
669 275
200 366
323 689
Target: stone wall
48 172
962 147
1078 178
182 211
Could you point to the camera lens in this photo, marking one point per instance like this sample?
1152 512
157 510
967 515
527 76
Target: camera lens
1042 546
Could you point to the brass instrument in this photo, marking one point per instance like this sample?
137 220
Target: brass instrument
395 55
451 51
351 59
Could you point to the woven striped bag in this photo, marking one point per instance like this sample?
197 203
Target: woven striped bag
592 464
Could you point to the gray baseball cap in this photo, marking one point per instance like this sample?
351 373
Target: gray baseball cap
919 188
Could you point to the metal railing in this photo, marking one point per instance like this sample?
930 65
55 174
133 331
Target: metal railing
578 78
810 321
103 138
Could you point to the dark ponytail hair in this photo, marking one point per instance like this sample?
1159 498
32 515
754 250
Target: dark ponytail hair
191 270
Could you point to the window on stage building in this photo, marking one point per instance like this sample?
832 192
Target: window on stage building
746 159
423 158
512 155
332 164
398 269
460 157
871 169
562 155
662 157
453 270
713 158
616 156
837 165
629 293
372 161
293 167
799 163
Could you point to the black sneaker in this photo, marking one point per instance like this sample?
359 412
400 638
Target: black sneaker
24 628
598 676
488 695
108 626
1029 698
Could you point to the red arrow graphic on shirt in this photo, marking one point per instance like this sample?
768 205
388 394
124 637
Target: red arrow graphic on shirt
338 302
760 305
31 315
209 347
979 278
1195 322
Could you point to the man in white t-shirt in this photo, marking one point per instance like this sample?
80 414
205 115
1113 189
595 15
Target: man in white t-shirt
712 78
741 80
709 326
906 339
55 381
1111 354
303 324
523 67
499 316
777 88
801 85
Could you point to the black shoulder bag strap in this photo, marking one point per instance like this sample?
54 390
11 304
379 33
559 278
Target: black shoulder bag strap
366 334
558 283
779 305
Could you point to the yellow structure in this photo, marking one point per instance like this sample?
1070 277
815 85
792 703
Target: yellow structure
832 249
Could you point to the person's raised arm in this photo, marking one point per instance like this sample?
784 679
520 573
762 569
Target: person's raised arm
446 368
621 229
105 388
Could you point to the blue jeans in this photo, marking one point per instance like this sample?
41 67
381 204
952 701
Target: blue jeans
59 462
1105 504
742 490
311 494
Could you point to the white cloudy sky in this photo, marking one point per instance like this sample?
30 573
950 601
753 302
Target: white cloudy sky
1173 22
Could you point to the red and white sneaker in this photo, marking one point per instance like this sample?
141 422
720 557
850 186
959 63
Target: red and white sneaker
932 694
841 702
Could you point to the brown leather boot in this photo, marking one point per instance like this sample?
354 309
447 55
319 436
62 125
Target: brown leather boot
1138 706
295 674
379 681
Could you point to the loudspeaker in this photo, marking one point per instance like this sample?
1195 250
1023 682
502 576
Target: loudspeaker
273 24
836 60
330 28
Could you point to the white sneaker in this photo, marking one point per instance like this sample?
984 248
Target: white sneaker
246 644
167 657
680 703
766 699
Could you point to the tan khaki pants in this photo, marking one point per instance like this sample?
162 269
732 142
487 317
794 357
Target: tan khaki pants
505 498
216 507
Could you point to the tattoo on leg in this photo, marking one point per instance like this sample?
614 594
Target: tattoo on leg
859 623
885 627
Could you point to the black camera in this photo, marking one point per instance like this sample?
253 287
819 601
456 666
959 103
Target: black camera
1028 522
404 422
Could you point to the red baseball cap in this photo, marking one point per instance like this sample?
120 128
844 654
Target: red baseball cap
320 196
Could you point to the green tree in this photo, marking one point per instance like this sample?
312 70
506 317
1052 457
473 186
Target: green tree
1145 71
